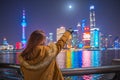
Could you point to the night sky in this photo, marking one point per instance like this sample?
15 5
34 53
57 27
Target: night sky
48 15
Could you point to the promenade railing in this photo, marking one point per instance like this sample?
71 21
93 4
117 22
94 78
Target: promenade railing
70 72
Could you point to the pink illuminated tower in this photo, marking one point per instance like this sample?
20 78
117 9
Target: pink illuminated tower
23 23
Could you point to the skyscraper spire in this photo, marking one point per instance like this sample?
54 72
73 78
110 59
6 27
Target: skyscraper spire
23 24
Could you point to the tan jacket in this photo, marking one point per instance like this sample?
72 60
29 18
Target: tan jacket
43 66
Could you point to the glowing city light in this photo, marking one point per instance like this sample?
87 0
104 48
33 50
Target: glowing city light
70 6
92 7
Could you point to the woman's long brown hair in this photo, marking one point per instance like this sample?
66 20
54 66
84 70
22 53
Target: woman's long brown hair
35 39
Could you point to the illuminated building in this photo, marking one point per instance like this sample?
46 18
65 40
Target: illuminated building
23 23
92 17
92 25
86 37
5 45
79 34
75 39
50 37
116 42
79 28
83 25
110 41
94 32
95 38
60 32
81 31
5 41
18 45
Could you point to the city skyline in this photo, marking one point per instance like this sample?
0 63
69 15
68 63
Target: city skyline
49 15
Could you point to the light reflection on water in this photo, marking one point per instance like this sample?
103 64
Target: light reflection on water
75 59
78 59
86 59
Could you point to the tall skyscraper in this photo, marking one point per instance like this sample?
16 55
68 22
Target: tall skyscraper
23 24
60 32
94 32
79 32
92 17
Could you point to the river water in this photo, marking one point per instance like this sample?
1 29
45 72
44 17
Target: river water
70 59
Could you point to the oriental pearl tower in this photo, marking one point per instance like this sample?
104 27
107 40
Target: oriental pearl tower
23 24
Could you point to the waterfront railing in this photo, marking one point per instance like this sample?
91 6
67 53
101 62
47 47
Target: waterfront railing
71 72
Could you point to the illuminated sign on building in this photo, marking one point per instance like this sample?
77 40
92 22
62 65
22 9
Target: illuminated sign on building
86 37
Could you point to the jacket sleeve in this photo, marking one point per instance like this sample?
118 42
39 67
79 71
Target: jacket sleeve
62 41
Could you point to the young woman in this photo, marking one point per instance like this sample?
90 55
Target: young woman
38 61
